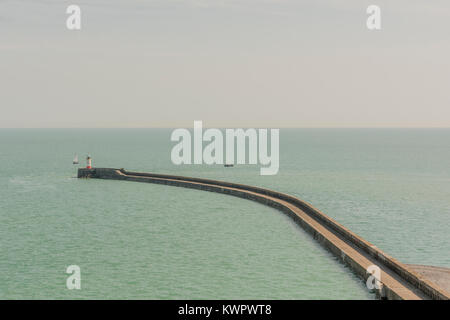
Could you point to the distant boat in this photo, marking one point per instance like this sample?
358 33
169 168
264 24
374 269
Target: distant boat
228 165
75 159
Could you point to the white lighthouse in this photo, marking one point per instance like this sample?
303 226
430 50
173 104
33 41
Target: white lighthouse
89 162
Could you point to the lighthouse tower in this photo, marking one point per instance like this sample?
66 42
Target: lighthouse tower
89 162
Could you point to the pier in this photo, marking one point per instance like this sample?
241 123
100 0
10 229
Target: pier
399 281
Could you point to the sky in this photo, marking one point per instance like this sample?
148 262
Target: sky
229 63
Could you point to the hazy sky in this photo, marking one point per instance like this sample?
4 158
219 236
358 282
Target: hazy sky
230 63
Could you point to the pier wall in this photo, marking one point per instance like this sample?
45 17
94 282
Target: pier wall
290 205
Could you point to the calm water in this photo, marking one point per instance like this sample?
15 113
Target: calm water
147 241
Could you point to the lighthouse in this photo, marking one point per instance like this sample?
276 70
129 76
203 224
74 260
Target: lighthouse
89 162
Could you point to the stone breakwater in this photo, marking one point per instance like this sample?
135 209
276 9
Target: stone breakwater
399 281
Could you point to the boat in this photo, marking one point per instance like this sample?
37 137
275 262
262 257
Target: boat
228 165
75 159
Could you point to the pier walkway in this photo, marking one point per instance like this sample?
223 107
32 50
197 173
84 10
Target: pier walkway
399 281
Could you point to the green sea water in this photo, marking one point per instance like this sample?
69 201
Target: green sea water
144 241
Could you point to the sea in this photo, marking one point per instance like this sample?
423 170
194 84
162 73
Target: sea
143 241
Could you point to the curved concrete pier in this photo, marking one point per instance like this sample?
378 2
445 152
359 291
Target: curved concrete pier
399 281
